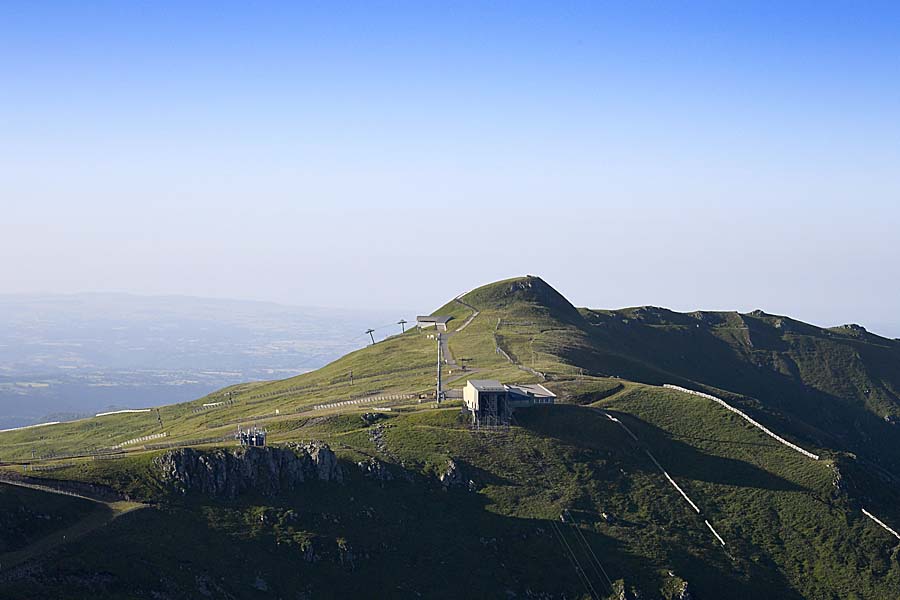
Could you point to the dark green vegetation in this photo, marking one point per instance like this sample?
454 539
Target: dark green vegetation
838 388
793 527
28 515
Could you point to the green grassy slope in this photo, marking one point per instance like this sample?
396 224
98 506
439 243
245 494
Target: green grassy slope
771 504
836 388
28 515
792 526
399 365
526 318
787 534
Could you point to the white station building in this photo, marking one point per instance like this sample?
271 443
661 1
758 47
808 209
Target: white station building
438 322
491 403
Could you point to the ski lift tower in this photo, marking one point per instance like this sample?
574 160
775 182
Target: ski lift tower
439 392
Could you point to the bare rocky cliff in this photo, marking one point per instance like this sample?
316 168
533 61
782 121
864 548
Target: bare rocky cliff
227 473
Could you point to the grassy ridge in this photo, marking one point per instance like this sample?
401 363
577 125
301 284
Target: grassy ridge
835 388
793 527
400 364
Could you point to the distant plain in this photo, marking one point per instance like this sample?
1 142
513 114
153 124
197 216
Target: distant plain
65 356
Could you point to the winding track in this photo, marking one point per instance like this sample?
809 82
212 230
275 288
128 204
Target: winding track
90 523
445 343
475 313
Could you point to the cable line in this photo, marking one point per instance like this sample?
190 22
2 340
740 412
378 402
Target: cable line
582 575
596 562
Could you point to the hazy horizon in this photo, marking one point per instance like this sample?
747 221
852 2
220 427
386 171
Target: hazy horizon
699 157
63 356
889 329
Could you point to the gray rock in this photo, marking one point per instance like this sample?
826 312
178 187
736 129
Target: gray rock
375 469
227 473
325 461
452 476
372 418
684 593
621 591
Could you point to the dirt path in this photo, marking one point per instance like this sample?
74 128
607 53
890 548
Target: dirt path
106 513
445 349
475 313
467 373
445 345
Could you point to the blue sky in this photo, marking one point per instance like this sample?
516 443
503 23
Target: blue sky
392 154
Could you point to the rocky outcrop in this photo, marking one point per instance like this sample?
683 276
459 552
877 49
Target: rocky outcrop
376 434
227 473
621 591
325 461
838 483
451 477
371 418
684 592
375 469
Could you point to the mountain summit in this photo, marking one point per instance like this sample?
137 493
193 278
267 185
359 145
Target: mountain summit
523 294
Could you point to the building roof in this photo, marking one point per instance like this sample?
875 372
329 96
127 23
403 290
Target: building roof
435 319
535 389
487 385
